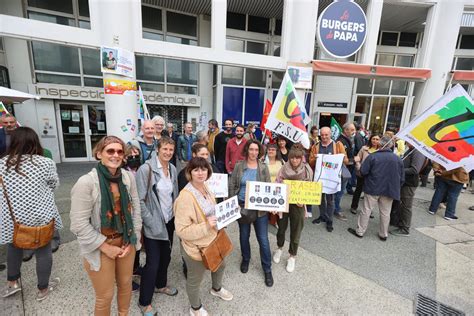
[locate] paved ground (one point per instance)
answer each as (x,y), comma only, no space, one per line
(336,273)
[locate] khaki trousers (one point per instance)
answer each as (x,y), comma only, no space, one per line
(370,202)
(118,271)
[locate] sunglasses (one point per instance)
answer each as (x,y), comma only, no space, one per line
(112,151)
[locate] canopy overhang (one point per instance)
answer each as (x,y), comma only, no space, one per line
(463,76)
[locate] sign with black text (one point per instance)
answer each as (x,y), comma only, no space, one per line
(266,196)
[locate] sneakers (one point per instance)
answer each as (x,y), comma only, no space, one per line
(340,216)
(450,218)
(329,228)
(354,232)
(400,232)
(290,265)
(152,311)
(10,290)
(430,212)
(268,279)
(318,220)
(353,210)
(199,312)
(277,255)
(53,283)
(223,294)
(168,290)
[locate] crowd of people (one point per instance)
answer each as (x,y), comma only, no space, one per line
(142,193)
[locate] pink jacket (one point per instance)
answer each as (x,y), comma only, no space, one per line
(234,153)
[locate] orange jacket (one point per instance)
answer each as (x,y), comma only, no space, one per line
(338,149)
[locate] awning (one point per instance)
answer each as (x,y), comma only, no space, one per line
(334,68)
(463,76)
(9,96)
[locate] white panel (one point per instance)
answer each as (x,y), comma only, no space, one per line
(333,89)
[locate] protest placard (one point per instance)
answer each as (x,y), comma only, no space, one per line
(304,192)
(217,184)
(328,171)
(117,61)
(266,196)
(227,212)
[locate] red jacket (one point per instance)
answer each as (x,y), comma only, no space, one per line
(234,153)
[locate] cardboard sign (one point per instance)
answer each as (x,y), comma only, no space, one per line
(217,184)
(304,192)
(227,212)
(266,196)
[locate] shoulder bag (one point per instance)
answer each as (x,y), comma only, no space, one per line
(27,237)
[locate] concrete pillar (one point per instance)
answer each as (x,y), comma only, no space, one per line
(437,51)
(369,49)
(218,24)
(116,26)
(205,70)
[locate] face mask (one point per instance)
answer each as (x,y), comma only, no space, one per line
(212,129)
(253,130)
(133,162)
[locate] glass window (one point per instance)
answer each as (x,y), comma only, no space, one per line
(151,18)
(4,80)
(48,78)
(399,87)
(152,36)
(84,8)
(53,5)
(51,18)
(53,57)
(256,48)
(364,86)
(276,50)
(181,89)
(151,86)
(179,40)
(180,71)
(407,39)
(93,82)
(465,64)
(236,21)
(150,68)
(363,104)
(467,42)
(277,78)
(181,23)
(234,45)
(84,24)
(91,61)
(1,43)
(389,39)
(278,27)
(255,77)
(386,60)
(232,75)
(382,86)
(378,114)
(404,61)
(214,75)
(259,24)
(395,114)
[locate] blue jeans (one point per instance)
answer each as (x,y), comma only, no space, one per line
(261,230)
(446,187)
(338,196)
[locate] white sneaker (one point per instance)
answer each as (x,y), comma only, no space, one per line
(290,265)
(223,294)
(277,255)
(199,312)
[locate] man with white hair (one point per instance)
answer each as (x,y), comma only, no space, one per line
(146,144)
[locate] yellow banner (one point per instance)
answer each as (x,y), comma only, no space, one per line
(304,192)
(120,86)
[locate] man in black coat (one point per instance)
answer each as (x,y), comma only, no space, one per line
(174,136)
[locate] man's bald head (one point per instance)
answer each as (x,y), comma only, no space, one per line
(325,134)
(148,129)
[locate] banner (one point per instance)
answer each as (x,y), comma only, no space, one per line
(142,108)
(336,129)
(444,133)
(304,192)
(120,86)
(217,184)
(227,212)
(266,196)
(266,113)
(117,61)
(288,116)
(3,110)
(328,171)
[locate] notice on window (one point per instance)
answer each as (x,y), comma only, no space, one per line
(75,116)
(117,61)
(266,196)
(73,130)
(227,212)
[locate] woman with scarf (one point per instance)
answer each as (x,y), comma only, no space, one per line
(105,217)
(294,169)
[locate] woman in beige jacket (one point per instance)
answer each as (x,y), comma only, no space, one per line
(195,223)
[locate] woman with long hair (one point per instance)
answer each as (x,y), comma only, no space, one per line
(371,147)
(28,181)
(105,217)
(196,227)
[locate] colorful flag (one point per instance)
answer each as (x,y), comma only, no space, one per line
(444,132)
(266,113)
(142,109)
(288,116)
(3,109)
(336,130)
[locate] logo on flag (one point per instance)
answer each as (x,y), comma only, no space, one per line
(336,129)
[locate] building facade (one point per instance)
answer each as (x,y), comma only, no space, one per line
(203,59)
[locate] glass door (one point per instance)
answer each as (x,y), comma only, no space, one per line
(97,124)
(73,133)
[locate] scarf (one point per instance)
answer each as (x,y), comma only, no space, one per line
(302,173)
(109,219)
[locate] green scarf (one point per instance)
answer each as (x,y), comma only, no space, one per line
(124,224)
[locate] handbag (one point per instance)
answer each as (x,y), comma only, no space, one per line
(27,237)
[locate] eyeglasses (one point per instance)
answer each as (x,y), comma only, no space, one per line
(111,152)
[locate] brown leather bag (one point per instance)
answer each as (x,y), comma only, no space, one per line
(26,237)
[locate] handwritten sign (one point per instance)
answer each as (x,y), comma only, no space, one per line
(217,184)
(266,196)
(227,212)
(304,192)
